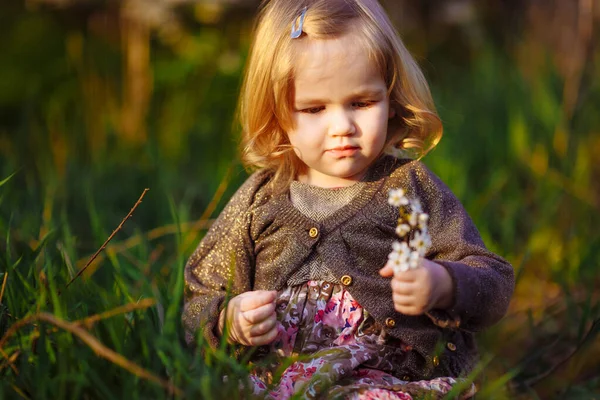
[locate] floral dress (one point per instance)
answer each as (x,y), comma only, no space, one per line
(336,349)
(341,352)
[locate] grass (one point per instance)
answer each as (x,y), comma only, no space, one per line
(73,327)
(110,333)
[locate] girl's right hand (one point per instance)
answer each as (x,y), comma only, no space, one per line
(251,318)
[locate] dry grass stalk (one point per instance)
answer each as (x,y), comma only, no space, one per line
(10,360)
(95,345)
(19,391)
(3,286)
(89,322)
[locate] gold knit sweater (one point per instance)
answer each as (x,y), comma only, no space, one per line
(260,240)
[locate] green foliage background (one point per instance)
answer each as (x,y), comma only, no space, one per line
(96,106)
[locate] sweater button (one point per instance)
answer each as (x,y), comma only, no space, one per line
(346,280)
(390,322)
(436,361)
(451,346)
(313,232)
(406,378)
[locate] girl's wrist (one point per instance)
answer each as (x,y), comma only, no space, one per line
(221,327)
(445,289)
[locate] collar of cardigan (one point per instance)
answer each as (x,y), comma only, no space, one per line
(374,181)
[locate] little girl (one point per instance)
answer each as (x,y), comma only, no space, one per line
(330,92)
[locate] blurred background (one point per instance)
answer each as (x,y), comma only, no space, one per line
(100,99)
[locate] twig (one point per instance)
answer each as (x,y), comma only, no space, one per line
(91,320)
(202,223)
(95,345)
(155,234)
(109,238)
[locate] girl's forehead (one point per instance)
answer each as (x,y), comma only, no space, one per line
(325,57)
(335,68)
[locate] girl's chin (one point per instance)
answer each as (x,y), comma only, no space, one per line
(331,181)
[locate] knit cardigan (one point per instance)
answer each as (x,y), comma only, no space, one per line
(260,239)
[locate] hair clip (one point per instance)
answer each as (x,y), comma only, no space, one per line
(297,31)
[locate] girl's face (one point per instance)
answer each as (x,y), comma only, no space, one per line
(341,112)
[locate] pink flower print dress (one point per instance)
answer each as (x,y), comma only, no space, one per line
(338,352)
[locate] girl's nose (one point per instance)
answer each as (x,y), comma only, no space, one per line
(342,124)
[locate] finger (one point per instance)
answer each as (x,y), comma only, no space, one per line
(402,288)
(386,271)
(409,309)
(264,326)
(267,338)
(259,314)
(257,298)
(403,300)
(407,276)
(409,305)
(417,290)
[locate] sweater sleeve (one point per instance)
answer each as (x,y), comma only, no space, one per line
(222,262)
(483,281)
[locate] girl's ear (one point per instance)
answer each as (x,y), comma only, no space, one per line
(391,113)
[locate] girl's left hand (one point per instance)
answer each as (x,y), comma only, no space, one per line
(419,290)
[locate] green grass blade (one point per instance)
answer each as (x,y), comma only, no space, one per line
(3,181)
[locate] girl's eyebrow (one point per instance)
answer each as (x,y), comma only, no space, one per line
(363,92)
(369,91)
(310,101)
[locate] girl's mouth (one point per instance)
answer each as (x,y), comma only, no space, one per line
(343,151)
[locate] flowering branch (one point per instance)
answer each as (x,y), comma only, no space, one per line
(412,231)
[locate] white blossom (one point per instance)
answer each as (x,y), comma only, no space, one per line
(413,260)
(420,243)
(402,230)
(416,207)
(423,219)
(412,218)
(407,254)
(425,235)
(399,266)
(400,250)
(396,198)
(397,246)
(395,256)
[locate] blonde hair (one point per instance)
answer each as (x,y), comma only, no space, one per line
(267,95)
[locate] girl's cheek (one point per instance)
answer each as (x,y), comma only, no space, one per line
(308,124)
(371,117)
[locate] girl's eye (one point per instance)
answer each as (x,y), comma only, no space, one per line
(312,110)
(362,104)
